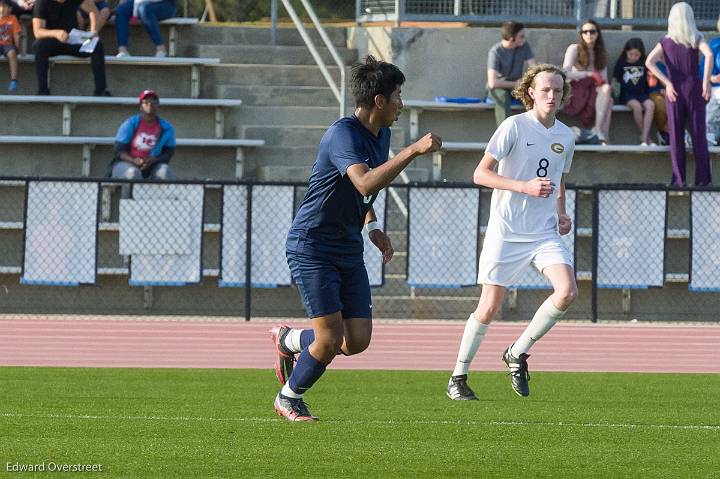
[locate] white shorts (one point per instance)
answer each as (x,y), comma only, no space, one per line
(502,262)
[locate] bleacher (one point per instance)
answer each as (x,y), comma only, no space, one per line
(258,113)
(226,113)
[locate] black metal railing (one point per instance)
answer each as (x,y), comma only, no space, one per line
(645,252)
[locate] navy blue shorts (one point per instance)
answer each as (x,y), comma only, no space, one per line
(331,284)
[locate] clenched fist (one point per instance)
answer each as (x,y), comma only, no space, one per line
(428,143)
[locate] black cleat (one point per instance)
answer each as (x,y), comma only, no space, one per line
(285,358)
(519,374)
(458,390)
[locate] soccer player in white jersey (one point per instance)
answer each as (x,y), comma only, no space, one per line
(531,152)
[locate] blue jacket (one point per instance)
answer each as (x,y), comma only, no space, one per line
(715,47)
(127,130)
(163,150)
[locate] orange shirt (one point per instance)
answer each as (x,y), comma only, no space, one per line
(9,26)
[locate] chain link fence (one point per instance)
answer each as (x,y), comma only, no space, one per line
(645,13)
(81,247)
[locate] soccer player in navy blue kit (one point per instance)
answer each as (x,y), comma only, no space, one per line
(325,245)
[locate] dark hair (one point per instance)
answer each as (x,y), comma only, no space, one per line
(374,77)
(583,58)
(633,44)
(510,29)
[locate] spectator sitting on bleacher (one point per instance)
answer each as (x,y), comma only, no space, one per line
(9,41)
(506,62)
(150,13)
(144,144)
(630,78)
(22,7)
(712,109)
(586,64)
(103,14)
(52,21)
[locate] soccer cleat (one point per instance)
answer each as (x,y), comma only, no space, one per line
(285,358)
(458,390)
(519,374)
(293,409)
(13,86)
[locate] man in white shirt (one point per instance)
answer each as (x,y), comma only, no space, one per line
(532,152)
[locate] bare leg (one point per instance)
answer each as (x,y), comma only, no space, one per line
(12,60)
(603,108)
(358,332)
(564,287)
(491,299)
(329,332)
(648,119)
(636,109)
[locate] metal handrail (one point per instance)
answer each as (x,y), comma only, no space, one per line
(339,93)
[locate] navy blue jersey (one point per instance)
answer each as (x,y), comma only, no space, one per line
(332,214)
(632,78)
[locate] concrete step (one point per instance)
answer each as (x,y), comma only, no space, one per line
(286,35)
(479,125)
(264,74)
(299,135)
(590,167)
(93,120)
(278,95)
(280,55)
(66,160)
(281,115)
(290,172)
(122,80)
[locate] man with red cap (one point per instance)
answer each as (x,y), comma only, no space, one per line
(144,144)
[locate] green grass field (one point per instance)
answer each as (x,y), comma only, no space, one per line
(219,423)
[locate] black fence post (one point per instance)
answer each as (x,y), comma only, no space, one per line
(594,253)
(248,254)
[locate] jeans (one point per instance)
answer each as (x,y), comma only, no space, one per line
(712,116)
(49,47)
(123,169)
(150,13)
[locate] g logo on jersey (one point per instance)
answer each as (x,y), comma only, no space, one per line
(557,148)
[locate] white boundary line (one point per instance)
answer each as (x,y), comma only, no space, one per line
(709,427)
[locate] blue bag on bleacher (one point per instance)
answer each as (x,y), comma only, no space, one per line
(457,99)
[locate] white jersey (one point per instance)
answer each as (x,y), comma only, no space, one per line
(525,149)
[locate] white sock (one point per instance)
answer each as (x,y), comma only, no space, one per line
(472,337)
(287,392)
(292,340)
(544,319)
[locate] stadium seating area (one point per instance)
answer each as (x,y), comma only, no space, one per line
(244,109)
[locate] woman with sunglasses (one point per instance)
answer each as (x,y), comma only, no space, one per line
(586,63)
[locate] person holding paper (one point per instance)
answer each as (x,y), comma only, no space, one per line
(53,20)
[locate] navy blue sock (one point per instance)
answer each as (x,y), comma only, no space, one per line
(307,336)
(307,370)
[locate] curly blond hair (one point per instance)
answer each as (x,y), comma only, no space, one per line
(528,80)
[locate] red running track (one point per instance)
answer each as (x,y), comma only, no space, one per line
(400,345)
